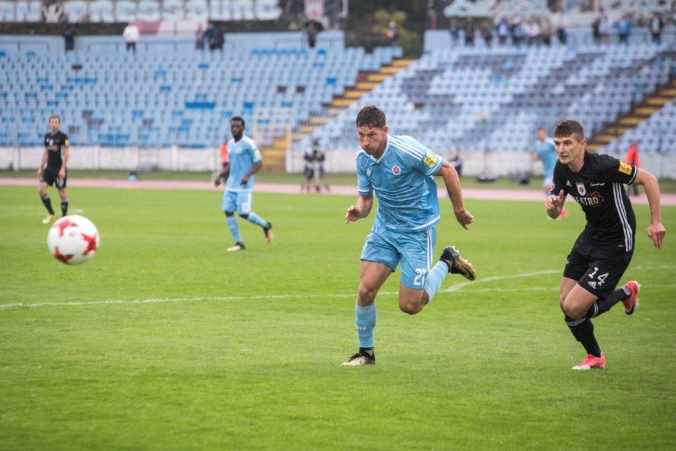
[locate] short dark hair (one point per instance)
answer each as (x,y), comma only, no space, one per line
(569,128)
(371,116)
(239,118)
(56,116)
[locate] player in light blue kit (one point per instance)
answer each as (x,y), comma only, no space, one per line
(244,161)
(400,171)
(546,152)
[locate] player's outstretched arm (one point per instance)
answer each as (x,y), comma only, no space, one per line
(656,230)
(452,182)
(554,204)
(360,209)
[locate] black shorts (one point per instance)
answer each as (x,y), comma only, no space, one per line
(51,178)
(597,269)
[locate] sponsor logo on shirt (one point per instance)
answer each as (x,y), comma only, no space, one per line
(431,159)
(396,170)
(594,199)
(625,168)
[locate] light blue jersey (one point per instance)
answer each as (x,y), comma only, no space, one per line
(402,179)
(243,155)
(546,151)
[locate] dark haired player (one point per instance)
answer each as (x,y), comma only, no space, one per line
(244,161)
(54,173)
(604,249)
(399,171)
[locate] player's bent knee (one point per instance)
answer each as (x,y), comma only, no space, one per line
(229,214)
(366,294)
(410,307)
(244,215)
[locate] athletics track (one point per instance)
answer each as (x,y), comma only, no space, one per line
(668,199)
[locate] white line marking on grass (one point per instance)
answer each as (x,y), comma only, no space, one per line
(450,289)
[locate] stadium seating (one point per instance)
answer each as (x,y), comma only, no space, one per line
(483,99)
(161,99)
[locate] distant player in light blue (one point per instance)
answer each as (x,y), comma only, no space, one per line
(400,171)
(244,160)
(546,152)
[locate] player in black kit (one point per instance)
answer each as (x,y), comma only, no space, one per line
(604,249)
(55,157)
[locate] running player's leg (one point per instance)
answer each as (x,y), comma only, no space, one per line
(244,203)
(602,278)
(64,197)
(229,206)
(418,283)
(44,197)
(378,260)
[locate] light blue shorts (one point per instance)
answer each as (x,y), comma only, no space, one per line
(239,201)
(414,250)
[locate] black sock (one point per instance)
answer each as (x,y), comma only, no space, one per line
(48,204)
(605,304)
(583,331)
(368,351)
(64,207)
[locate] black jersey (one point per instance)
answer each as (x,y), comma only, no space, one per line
(54,143)
(599,191)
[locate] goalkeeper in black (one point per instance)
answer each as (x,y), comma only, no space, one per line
(604,249)
(52,170)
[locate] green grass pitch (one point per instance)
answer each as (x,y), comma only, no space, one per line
(164,341)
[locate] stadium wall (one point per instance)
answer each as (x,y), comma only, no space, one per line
(498,164)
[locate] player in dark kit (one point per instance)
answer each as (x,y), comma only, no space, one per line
(55,157)
(604,249)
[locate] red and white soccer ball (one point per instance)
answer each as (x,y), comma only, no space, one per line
(73,240)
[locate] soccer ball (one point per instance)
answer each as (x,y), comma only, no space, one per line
(73,239)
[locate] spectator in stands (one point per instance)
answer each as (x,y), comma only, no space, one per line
(52,169)
(131,35)
(562,34)
(532,31)
(199,38)
(454,32)
(69,38)
(655,26)
(624,28)
(604,28)
(392,33)
(213,37)
(244,161)
(596,29)
(502,30)
(518,32)
(634,158)
(469,32)
(546,30)
(486,32)
(312,29)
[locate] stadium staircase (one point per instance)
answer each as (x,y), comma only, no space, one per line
(275,154)
(650,105)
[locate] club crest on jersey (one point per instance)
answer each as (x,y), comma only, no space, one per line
(396,170)
(581,190)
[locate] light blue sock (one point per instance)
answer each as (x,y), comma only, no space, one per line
(234,228)
(365,322)
(434,279)
(253,217)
